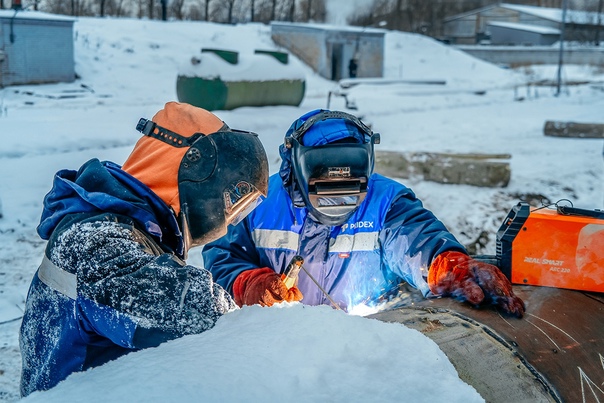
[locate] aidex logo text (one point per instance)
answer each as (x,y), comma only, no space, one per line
(360,224)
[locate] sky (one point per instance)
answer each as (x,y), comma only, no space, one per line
(128,70)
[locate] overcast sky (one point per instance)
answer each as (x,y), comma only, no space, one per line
(339,10)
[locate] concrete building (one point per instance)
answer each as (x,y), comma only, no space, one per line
(35,48)
(473,27)
(334,52)
(509,33)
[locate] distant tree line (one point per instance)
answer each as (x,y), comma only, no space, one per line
(221,11)
(420,16)
(426,16)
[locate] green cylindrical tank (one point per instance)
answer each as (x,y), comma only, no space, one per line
(205,93)
(214,94)
(222,80)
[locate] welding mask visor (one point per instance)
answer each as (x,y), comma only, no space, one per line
(333,177)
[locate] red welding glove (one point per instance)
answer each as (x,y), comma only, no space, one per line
(264,287)
(458,275)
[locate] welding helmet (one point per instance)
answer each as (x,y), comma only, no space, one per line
(220,176)
(332,158)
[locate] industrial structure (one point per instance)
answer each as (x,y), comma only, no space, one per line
(35,48)
(334,52)
(522,25)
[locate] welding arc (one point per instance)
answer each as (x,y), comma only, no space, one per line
(321,288)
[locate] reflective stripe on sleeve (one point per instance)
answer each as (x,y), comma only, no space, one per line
(275,239)
(361,241)
(57,278)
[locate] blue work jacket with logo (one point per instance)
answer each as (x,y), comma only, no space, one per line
(390,238)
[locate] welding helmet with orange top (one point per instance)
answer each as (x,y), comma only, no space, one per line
(210,175)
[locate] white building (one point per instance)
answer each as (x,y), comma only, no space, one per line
(330,49)
(473,26)
(35,48)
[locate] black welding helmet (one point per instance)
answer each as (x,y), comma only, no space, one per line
(220,181)
(332,159)
(220,177)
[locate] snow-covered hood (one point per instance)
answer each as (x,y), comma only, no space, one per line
(105,187)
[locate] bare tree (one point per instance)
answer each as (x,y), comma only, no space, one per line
(119,8)
(398,10)
(113,8)
(599,24)
(151,8)
(79,8)
(230,4)
(260,10)
(177,9)
(319,10)
(224,11)
(195,11)
(292,10)
(311,10)
(423,16)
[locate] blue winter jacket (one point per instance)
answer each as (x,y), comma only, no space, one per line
(389,239)
(112,280)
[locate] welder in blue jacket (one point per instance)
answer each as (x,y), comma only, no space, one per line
(113,278)
(360,234)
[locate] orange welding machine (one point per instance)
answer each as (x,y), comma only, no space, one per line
(562,247)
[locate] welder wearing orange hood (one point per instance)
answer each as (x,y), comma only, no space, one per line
(113,278)
(360,234)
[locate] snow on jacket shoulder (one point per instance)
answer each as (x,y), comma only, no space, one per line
(390,238)
(107,286)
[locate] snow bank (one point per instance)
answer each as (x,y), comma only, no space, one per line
(289,353)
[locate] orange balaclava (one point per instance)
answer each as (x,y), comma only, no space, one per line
(156,163)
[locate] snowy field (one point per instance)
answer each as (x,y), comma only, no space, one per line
(127,69)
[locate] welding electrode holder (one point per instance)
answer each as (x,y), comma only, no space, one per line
(290,274)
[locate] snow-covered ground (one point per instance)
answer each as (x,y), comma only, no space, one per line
(128,69)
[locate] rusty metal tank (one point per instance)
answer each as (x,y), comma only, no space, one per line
(554,354)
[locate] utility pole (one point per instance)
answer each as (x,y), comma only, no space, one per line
(561,56)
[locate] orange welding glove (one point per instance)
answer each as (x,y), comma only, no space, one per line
(264,287)
(458,275)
